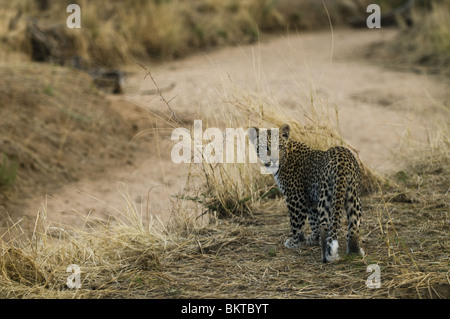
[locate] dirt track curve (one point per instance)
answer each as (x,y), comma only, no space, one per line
(377,109)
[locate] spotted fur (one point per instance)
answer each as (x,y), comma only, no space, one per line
(318,186)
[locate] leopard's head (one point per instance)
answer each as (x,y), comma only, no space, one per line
(270,145)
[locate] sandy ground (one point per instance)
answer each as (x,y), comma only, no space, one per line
(378,108)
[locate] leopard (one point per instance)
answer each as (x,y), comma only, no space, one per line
(317,186)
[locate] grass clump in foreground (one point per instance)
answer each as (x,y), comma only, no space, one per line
(208,257)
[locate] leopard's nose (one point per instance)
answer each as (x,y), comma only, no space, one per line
(267,164)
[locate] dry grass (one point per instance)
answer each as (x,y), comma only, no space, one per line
(168,29)
(158,29)
(110,254)
(425,46)
(405,232)
(233,258)
(51,138)
(428,42)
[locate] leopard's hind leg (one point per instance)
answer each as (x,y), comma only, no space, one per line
(331,204)
(353,209)
(313,218)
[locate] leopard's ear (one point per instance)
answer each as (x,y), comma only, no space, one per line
(284,131)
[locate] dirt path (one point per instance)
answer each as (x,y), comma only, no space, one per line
(377,109)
